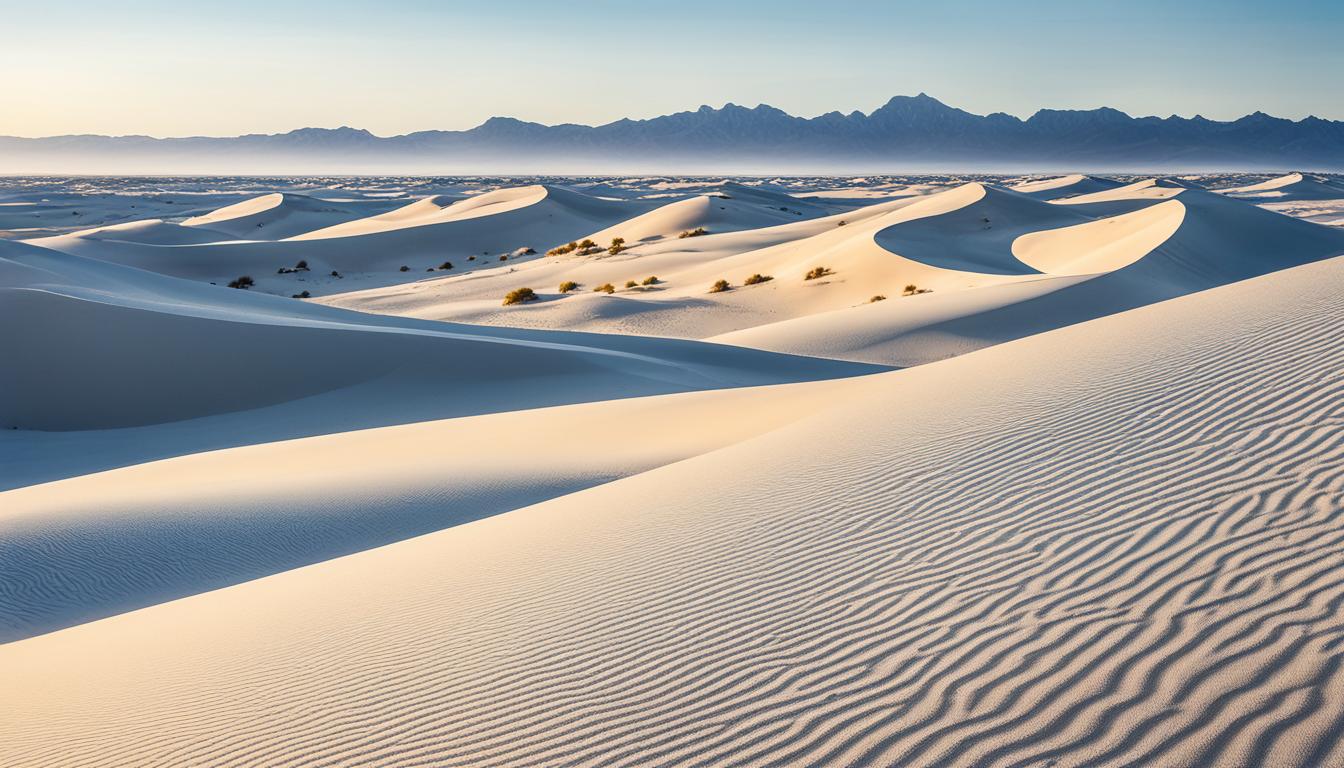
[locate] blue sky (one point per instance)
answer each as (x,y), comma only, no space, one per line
(196,68)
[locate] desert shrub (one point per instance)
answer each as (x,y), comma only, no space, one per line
(841,223)
(617,245)
(503,257)
(878,297)
(910,289)
(698,231)
(568,286)
(817,272)
(561,250)
(719,286)
(302,295)
(446,265)
(757,279)
(519,295)
(471,258)
(283,271)
(650,280)
(605,288)
(244,281)
(334,273)
(405,268)
(301,265)
(631,284)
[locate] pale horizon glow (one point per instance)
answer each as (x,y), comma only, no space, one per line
(176,69)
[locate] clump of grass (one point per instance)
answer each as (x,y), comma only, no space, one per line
(617,245)
(841,223)
(650,280)
(817,272)
(519,295)
(878,297)
(757,279)
(697,232)
(561,250)
(587,247)
(568,285)
(605,288)
(719,286)
(912,289)
(244,282)
(631,284)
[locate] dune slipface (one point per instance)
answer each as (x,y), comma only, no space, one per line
(945,471)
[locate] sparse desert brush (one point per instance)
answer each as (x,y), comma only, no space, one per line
(650,280)
(878,297)
(301,265)
(631,284)
(617,245)
(758,278)
(334,273)
(519,295)
(301,295)
(471,258)
(912,289)
(605,288)
(586,243)
(719,286)
(568,286)
(446,265)
(841,223)
(503,257)
(244,281)
(817,272)
(698,231)
(404,268)
(561,250)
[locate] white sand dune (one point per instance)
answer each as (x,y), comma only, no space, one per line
(1112,544)
(1062,187)
(279,215)
(123,349)
(1183,243)
(731,208)
(1292,187)
(372,252)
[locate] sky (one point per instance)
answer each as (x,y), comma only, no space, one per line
(188,68)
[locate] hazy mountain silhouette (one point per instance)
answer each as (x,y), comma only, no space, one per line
(908,133)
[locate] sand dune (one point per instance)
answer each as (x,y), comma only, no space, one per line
(279,215)
(1110,544)
(1292,187)
(471,234)
(1062,187)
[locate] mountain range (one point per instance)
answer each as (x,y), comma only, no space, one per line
(907,134)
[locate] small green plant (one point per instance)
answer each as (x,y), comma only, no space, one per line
(697,232)
(519,295)
(817,272)
(878,297)
(719,286)
(605,288)
(650,280)
(568,285)
(757,279)
(244,282)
